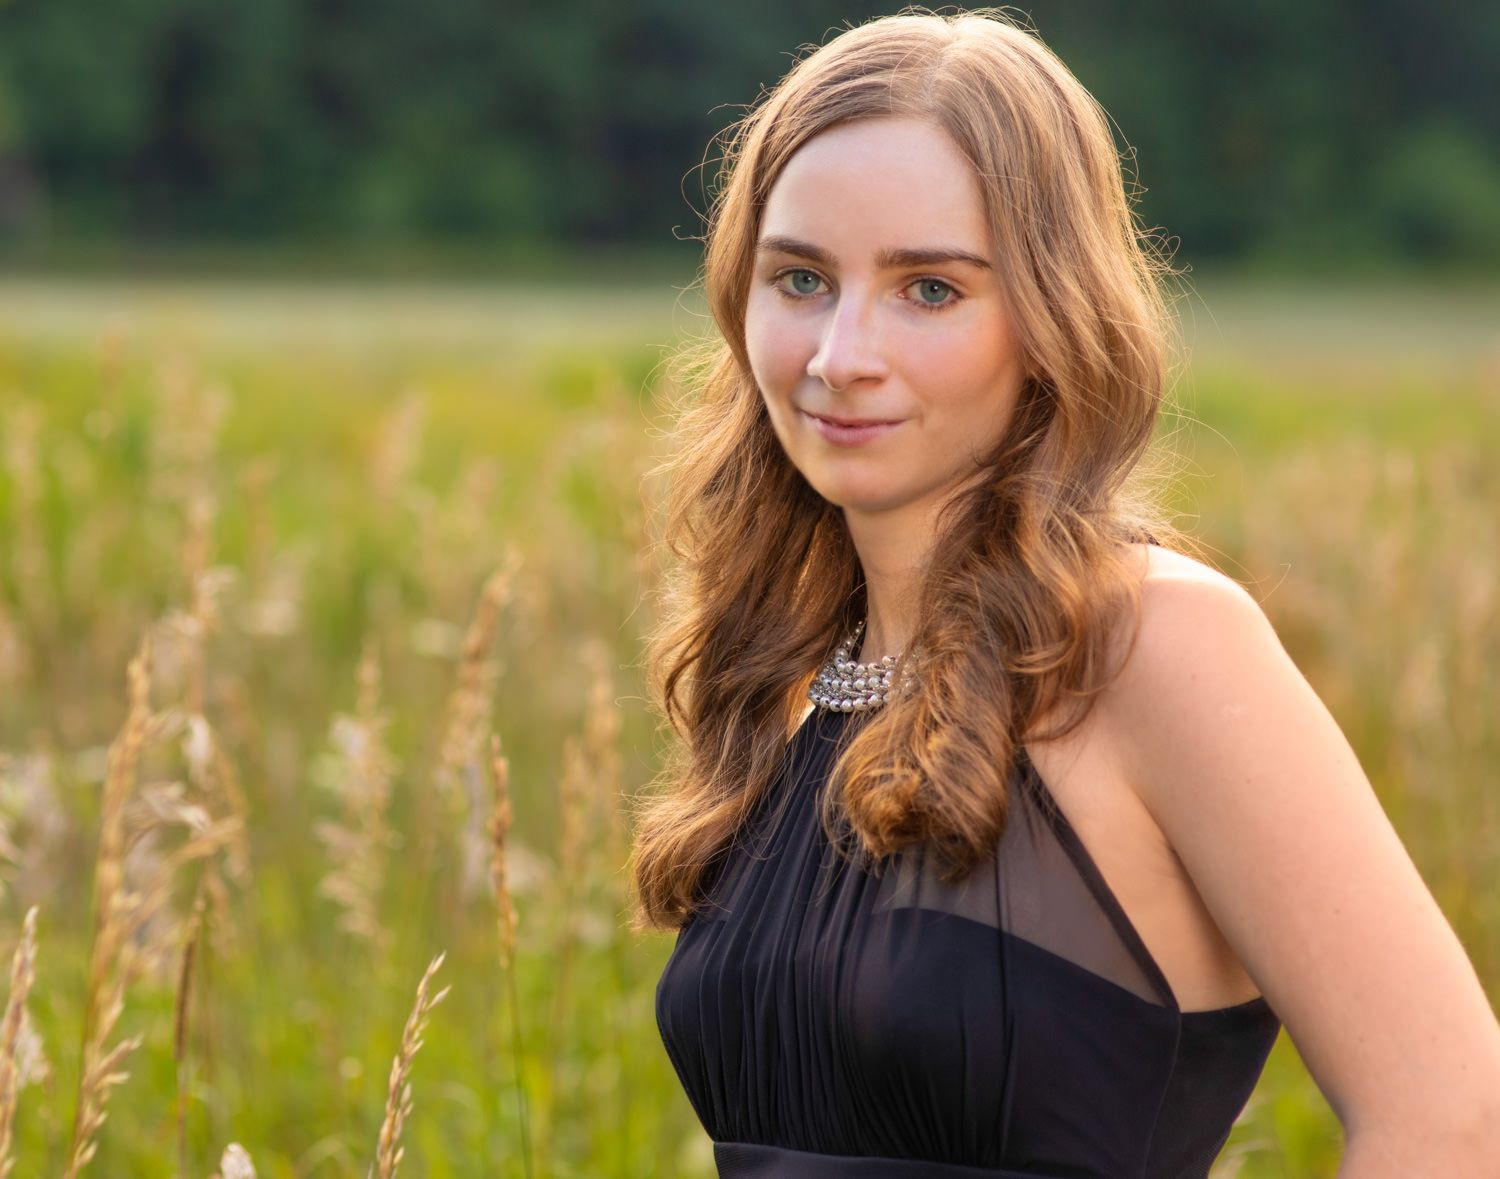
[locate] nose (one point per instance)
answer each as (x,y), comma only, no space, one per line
(849,348)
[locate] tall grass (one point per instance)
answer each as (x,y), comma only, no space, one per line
(335,584)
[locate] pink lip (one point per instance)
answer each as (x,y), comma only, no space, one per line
(842,432)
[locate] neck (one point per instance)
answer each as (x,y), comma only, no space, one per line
(892,553)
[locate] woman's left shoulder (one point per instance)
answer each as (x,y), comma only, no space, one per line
(1203,670)
(1168,572)
(1190,614)
(1203,679)
(1264,802)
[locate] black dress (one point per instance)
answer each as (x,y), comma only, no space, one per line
(829,1021)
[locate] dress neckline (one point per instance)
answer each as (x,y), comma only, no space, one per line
(1088,868)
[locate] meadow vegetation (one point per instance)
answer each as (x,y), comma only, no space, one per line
(320,703)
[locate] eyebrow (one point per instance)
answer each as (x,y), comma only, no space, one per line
(886,259)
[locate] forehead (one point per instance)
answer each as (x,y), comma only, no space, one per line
(879,183)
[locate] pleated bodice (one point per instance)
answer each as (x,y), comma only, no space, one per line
(827,1020)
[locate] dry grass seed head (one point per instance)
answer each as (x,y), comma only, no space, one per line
(12,1028)
(235,1163)
(474,685)
(500,820)
(398,1104)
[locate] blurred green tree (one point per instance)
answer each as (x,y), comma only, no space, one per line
(1332,130)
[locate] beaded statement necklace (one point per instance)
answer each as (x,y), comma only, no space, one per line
(846,686)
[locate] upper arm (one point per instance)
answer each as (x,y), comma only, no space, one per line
(1265,803)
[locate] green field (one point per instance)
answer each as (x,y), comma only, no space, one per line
(269,479)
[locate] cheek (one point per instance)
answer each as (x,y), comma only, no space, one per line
(756,341)
(777,358)
(964,350)
(970,378)
(977,355)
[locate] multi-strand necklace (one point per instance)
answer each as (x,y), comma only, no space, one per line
(846,686)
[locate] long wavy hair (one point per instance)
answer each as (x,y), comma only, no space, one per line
(1021,602)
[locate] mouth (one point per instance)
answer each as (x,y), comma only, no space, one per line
(852,423)
(849,431)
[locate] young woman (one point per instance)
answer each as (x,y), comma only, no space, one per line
(1001,836)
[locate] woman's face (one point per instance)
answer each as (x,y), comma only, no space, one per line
(876,324)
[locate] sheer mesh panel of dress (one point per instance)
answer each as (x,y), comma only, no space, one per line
(1045,894)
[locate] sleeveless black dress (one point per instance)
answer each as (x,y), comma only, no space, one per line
(827,1021)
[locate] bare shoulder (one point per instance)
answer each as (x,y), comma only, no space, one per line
(1191,617)
(1172,581)
(1203,663)
(1266,806)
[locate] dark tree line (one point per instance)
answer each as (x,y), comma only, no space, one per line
(1326,129)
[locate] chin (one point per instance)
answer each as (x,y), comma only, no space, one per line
(857,499)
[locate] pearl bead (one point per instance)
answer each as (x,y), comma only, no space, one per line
(845,685)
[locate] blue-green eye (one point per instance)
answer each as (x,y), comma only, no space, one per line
(932,292)
(802,282)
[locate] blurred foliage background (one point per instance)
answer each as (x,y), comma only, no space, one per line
(1333,133)
(330,340)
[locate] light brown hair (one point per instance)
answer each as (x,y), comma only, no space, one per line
(1021,600)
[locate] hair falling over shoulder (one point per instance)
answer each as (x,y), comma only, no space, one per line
(1020,605)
